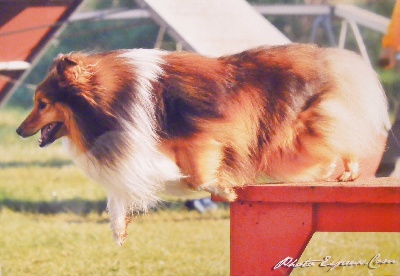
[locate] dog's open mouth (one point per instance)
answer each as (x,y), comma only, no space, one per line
(48,133)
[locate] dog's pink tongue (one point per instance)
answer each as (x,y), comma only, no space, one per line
(44,137)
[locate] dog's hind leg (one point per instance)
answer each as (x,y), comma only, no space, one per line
(351,170)
(201,161)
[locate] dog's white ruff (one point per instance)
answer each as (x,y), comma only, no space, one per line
(135,181)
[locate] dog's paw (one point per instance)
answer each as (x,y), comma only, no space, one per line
(121,233)
(351,172)
(119,236)
(227,193)
(348,176)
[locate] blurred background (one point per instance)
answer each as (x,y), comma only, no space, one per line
(52,218)
(105,25)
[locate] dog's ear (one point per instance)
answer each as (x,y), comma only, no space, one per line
(74,69)
(63,63)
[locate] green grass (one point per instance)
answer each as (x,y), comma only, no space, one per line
(164,243)
(351,247)
(52,221)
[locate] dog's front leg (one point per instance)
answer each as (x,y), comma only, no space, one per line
(201,162)
(119,219)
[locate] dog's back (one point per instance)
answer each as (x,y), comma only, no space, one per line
(293,112)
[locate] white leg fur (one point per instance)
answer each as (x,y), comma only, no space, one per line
(118,213)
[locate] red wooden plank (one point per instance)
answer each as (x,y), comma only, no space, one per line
(272,222)
(25,28)
(17,44)
(357,217)
(379,190)
(263,234)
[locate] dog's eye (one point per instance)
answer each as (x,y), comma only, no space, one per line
(42,105)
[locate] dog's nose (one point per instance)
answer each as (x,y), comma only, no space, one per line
(19,131)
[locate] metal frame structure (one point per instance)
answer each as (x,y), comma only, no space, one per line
(350,15)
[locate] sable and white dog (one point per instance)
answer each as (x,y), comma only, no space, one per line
(144,121)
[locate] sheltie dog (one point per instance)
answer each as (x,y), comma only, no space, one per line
(145,121)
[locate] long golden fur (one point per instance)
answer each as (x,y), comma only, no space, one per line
(145,121)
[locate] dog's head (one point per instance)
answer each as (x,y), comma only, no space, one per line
(51,113)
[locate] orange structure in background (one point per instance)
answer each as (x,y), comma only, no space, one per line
(25,29)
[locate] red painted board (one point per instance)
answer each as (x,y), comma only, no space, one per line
(377,190)
(263,234)
(357,217)
(271,222)
(23,32)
